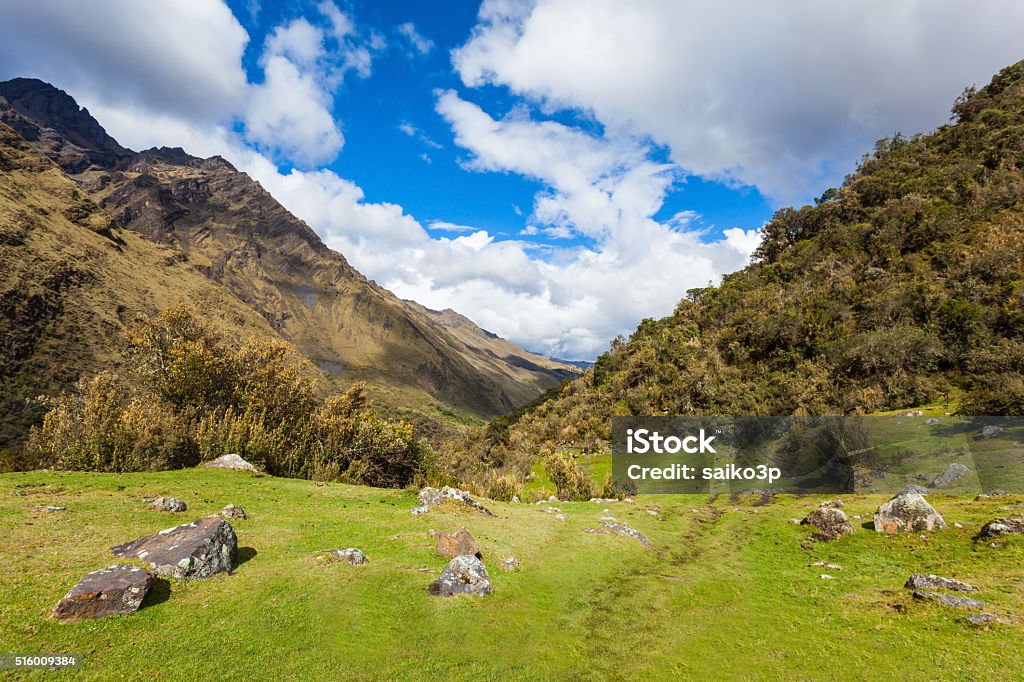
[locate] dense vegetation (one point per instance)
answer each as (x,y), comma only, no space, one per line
(202,397)
(902,287)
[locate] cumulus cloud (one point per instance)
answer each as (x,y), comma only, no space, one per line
(781,96)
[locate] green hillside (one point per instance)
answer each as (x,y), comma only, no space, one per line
(728,591)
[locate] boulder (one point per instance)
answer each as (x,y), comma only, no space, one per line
(351,556)
(199,549)
(456,545)
(928,581)
(991,431)
(1006,525)
(954,472)
(230,461)
(623,529)
(946,600)
(907,513)
(233,511)
(987,619)
(169,504)
(831,522)
(509,564)
(117,590)
(465,574)
(835,504)
(429,497)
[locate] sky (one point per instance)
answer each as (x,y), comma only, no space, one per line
(556,170)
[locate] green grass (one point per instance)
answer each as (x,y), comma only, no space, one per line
(728,593)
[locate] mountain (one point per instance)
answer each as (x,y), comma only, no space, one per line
(211,220)
(902,287)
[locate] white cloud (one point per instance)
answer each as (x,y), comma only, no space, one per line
(782,96)
(416,41)
(450,227)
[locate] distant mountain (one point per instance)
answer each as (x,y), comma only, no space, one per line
(902,287)
(212,220)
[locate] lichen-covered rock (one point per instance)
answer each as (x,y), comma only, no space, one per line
(1005,525)
(831,523)
(430,497)
(509,564)
(230,461)
(991,431)
(416,511)
(465,574)
(907,513)
(233,511)
(117,590)
(623,529)
(169,504)
(946,600)
(929,581)
(455,545)
(954,472)
(835,504)
(987,619)
(199,549)
(351,556)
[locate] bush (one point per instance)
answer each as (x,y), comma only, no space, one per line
(503,488)
(570,479)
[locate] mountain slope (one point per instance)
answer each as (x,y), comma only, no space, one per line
(904,286)
(224,224)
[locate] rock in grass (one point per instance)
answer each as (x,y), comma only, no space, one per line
(991,431)
(834,504)
(623,529)
(233,511)
(429,497)
(928,581)
(416,511)
(351,556)
(831,522)
(509,564)
(987,619)
(169,504)
(456,545)
(954,472)
(946,600)
(117,590)
(913,489)
(465,574)
(907,513)
(230,461)
(1007,525)
(199,549)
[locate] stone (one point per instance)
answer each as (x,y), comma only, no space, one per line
(907,513)
(985,496)
(913,490)
(831,522)
(351,556)
(49,508)
(946,600)
(230,461)
(1004,525)
(169,504)
(456,545)
(515,499)
(991,431)
(931,421)
(954,472)
(826,576)
(561,517)
(509,564)
(794,522)
(429,497)
(117,590)
(915,413)
(987,619)
(194,550)
(825,564)
(929,581)
(624,529)
(233,511)
(416,511)
(834,504)
(957,524)
(465,574)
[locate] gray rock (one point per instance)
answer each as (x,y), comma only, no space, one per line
(169,504)
(913,489)
(991,431)
(946,600)
(117,590)
(416,511)
(825,564)
(987,619)
(931,421)
(429,497)
(831,522)
(230,461)
(350,556)
(199,549)
(907,513)
(834,504)
(624,529)
(1004,525)
(954,472)
(929,581)
(233,511)
(509,564)
(985,496)
(465,574)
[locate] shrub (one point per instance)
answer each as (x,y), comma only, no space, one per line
(503,488)
(570,479)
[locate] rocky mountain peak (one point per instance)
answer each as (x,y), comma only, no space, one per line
(50,107)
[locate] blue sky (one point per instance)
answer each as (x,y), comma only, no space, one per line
(556,170)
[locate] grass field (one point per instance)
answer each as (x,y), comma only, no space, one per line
(727,593)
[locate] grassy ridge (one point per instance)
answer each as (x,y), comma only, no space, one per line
(729,592)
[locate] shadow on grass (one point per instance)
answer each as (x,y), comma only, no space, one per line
(869,525)
(158,593)
(245,554)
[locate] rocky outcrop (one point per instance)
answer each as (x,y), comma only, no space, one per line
(351,556)
(954,472)
(629,532)
(929,581)
(430,497)
(456,545)
(946,600)
(199,549)
(230,461)
(831,523)
(465,574)
(232,511)
(1006,525)
(907,513)
(117,590)
(991,431)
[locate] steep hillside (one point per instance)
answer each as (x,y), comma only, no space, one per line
(223,224)
(902,287)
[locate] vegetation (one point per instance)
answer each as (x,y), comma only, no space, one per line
(202,397)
